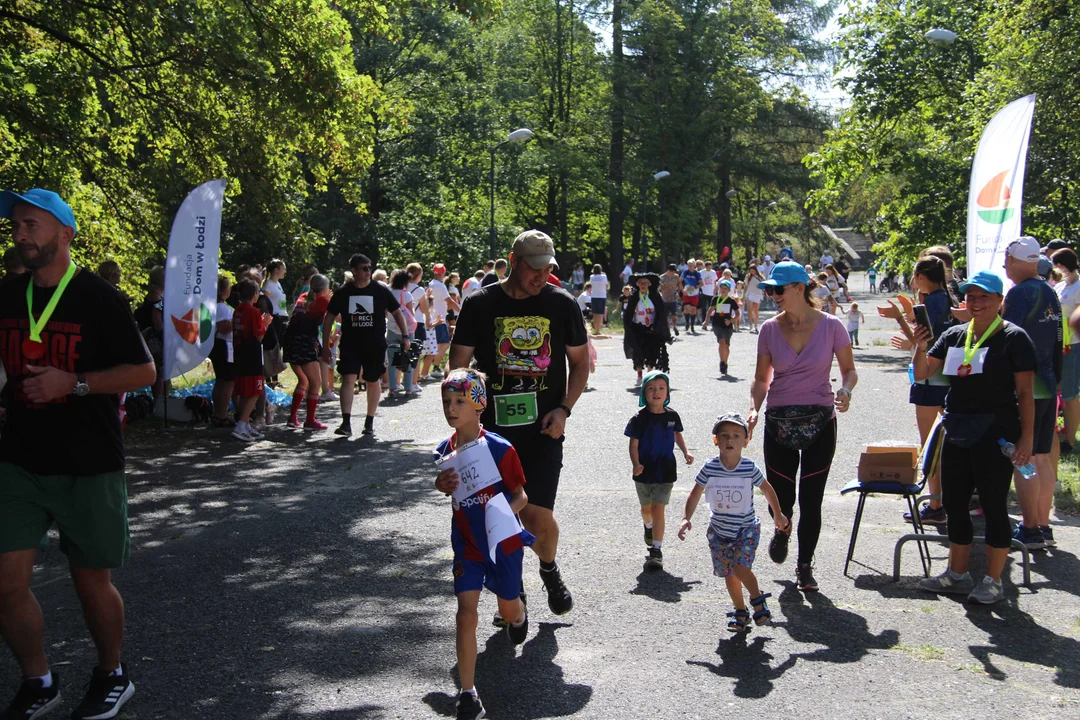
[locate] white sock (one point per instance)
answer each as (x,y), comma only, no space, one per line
(648,525)
(471,691)
(118,671)
(46,679)
(657,543)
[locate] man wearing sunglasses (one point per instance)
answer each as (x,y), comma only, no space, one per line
(362,305)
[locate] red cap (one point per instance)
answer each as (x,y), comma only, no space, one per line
(439,269)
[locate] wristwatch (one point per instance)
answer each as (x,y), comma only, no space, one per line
(81,388)
(565,409)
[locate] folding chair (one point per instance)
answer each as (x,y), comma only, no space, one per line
(930,459)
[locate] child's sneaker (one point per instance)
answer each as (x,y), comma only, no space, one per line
(778,546)
(518,633)
(34,701)
(241,433)
(293,422)
(655,561)
(648,537)
(315,425)
(929,515)
(344,429)
(469,707)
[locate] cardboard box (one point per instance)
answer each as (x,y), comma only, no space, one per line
(890,462)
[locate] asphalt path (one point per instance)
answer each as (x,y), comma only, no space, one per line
(309,576)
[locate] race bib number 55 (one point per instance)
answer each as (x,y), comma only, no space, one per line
(515,409)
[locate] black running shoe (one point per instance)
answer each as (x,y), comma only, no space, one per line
(655,561)
(344,429)
(560,601)
(469,707)
(648,537)
(105,695)
(518,633)
(778,547)
(33,700)
(805,573)
(723,368)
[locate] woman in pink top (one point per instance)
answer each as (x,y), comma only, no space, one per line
(795,356)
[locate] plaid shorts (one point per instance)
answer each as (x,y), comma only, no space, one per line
(729,552)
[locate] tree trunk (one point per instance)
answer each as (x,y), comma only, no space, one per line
(615,165)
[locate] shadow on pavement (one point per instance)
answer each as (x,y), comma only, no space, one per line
(525,688)
(1016,635)
(748,664)
(265,572)
(885,362)
(814,619)
(662,586)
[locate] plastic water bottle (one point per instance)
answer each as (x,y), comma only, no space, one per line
(1007,449)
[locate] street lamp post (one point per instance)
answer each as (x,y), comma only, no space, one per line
(521,135)
(943,38)
(644,204)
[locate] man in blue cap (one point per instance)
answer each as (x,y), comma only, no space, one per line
(70,347)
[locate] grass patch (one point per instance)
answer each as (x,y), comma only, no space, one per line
(1067,497)
(926,653)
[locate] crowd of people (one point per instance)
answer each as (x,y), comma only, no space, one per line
(510,347)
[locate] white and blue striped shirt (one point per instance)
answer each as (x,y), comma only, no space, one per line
(730,494)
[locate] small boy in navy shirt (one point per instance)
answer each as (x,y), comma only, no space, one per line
(653,434)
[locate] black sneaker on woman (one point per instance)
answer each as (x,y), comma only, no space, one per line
(805,574)
(34,701)
(469,707)
(106,693)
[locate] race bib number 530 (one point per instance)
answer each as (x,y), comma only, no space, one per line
(516,409)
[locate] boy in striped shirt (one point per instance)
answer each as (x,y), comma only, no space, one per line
(727,482)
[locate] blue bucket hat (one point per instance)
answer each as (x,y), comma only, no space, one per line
(786,273)
(47,200)
(649,377)
(985,279)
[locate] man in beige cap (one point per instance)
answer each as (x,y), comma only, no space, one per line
(522,333)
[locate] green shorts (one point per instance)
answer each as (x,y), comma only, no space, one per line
(91,512)
(650,493)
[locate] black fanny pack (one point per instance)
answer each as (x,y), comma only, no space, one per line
(966,429)
(796,427)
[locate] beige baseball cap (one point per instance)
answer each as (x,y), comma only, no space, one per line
(535,248)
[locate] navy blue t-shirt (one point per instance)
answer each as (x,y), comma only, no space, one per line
(655,433)
(1034,306)
(692,278)
(939,310)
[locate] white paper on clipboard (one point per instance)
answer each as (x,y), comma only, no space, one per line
(500,521)
(475,467)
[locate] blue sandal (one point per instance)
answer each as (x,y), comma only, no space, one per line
(739,622)
(762,615)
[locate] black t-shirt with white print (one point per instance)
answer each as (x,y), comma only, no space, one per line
(363,315)
(90,330)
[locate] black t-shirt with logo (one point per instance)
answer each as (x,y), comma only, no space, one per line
(91,329)
(363,315)
(724,310)
(521,346)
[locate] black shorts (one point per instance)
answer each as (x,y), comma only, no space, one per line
(300,349)
(541,459)
(723,334)
(369,363)
(1045,426)
(928,395)
(219,358)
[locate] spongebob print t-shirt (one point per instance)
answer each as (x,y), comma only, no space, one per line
(521,346)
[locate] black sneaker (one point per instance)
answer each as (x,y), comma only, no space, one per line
(778,547)
(723,368)
(469,707)
(33,700)
(518,633)
(344,429)
(560,601)
(805,573)
(105,695)
(655,561)
(648,537)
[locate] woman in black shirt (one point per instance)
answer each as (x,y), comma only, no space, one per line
(990,364)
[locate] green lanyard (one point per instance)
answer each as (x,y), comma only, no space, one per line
(969,351)
(646,305)
(37,327)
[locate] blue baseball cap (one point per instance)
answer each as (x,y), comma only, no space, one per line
(727,283)
(985,279)
(786,273)
(47,200)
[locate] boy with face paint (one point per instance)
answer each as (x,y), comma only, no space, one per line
(654,432)
(724,313)
(475,566)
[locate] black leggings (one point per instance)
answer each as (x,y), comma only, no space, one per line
(984,469)
(781,464)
